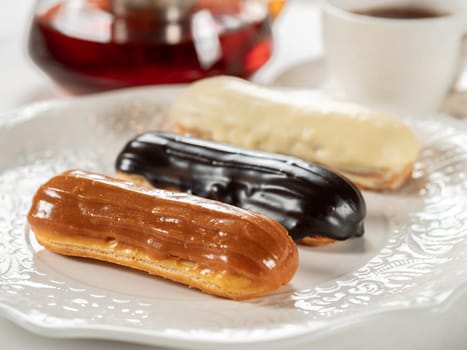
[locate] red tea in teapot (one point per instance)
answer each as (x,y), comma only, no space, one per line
(93,45)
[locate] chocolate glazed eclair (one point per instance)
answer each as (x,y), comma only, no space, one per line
(314,204)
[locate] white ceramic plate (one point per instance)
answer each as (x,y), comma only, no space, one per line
(413,257)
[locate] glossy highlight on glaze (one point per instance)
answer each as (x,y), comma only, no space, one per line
(162,224)
(308,200)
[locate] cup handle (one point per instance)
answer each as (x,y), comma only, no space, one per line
(455,103)
(464,50)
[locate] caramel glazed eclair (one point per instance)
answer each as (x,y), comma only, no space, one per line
(371,148)
(208,245)
(314,204)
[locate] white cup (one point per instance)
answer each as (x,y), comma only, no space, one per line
(411,63)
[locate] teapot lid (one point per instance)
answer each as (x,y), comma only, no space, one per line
(167,10)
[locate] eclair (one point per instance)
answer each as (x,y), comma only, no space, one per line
(314,204)
(373,149)
(214,247)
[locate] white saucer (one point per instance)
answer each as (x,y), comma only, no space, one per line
(314,74)
(307,74)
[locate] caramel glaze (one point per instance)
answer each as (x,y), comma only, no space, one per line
(163,224)
(305,198)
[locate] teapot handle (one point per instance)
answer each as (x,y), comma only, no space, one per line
(275,7)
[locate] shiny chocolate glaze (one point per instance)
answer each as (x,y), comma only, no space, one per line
(305,198)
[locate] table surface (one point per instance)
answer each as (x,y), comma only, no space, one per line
(298,41)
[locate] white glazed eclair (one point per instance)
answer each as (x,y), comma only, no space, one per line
(373,149)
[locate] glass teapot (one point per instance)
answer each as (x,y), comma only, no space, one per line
(95,45)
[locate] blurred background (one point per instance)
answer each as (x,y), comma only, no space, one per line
(296,33)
